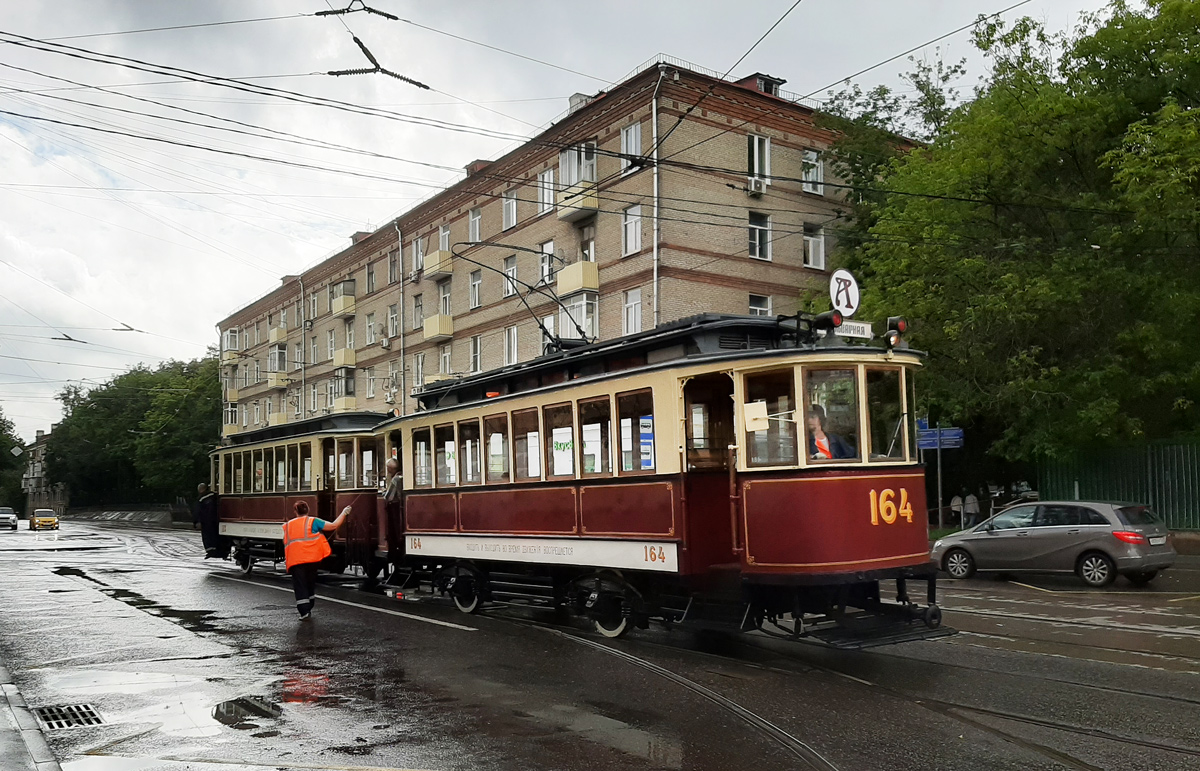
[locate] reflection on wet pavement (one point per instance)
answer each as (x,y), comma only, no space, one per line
(237,713)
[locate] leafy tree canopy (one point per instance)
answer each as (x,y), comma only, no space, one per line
(11,466)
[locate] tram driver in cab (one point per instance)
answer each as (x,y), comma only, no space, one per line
(823,445)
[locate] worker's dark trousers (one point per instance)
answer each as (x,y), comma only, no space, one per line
(304,582)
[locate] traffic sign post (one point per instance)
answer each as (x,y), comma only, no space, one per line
(949,438)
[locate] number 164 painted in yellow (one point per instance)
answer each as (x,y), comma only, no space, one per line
(883,506)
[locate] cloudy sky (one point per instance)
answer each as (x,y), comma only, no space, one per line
(101,231)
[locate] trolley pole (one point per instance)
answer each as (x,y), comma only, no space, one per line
(941,515)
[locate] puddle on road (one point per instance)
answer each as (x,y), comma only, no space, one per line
(67,570)
(238,713)
(92,682)
(193,620)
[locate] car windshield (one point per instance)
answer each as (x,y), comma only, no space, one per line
(1137,515)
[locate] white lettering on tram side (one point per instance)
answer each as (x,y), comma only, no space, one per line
(643,555)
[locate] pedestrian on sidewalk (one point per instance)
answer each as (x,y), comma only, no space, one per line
(209,517)
(970,510)
(304,546)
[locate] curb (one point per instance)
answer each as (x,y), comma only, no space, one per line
(35,743)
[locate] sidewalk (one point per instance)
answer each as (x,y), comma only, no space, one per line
(22,746)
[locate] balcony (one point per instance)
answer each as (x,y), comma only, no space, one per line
(344,357)
(578,277)
(278,335)
(277,418)
(229,429)
(231,394)
(438,264)
(578,201)
(277,380)
(345,404)
(343,306)
(439,327)
(230,357)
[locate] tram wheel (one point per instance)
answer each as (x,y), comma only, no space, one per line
(932,617)
(609,621)
(466,594)
(245,564)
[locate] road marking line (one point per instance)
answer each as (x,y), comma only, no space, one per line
(1185,599)
(327,598)
(1031,586)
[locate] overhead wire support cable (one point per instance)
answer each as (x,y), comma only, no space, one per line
(377,69)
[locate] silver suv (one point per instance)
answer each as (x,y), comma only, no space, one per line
(1096,541)
(8,518)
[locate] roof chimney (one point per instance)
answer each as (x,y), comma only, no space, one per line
(474,167)
(40,434)
(767,84)
(288,279)
(359,237)
(577,102)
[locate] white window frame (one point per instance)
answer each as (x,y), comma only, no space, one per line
(418,370)
(631,320)
(370,282)
(758,311)
(476,361)
(547,334)
(298,361)
(418,311)
(510,276)
(546,262)
(393,321)
(418,254)
(393,266)
(257,413)
(475,287)
(758,157)
(314,393)
(631,145)
(444,305)
(760,237)
(631,230)
(371,329)
(370,382)
(813,173)
(445,359)
(580,309)
(277,358)
(577,164)
(444,238)
(546,191)
(510,345)
(587,243)
(230,340)
(814,247)
(312,305)
(331,343)
(474,221)
(316,351)
(349,329)
(298,395)
(245,415)
(509,209)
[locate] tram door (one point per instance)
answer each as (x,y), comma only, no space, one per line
(708,418)
(325,498)
(394,510)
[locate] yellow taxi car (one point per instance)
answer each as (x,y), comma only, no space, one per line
(43,519)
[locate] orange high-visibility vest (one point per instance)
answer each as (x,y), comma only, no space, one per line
(301,544)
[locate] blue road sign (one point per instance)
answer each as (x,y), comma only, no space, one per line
(923,424)
(931,438)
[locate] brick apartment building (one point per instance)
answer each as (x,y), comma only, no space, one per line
(673,193)
(40,493)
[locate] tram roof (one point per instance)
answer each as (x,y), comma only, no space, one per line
(335,423)
(695,338)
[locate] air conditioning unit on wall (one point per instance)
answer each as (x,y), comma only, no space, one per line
(756,186)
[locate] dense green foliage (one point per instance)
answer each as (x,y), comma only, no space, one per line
(11,466)
(1044,240)
(142,437)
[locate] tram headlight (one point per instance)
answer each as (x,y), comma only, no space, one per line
(896,327)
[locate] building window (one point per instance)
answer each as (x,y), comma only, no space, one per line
(298,396)
(631,230)
(476,352)
(632,321)
(546,191)
(760,305)
(587,243)
(370,279)
(312,397)
(444,238)
(578,314)
(418,370)
(299,358)
(231,413)
(510,345)
(547,262)
(350,333)
(270,408)
(418,312)
(393,266)
(418,254)
(315,352)
(331,344)
(245,415)
(631,148)
(814,247)
(371,329)
(476,287)
(257,413)
(256,333)
(312,305)
(343,382)
(813,173)
(758,157)
(393,381)
(578,164)
(509,210)
(473,218)
(444,297)
(277,358)
(230,342)
(444,359)
(760,236)
(393,322)
(547,334)
(510,276)
(370,382)
(257,372)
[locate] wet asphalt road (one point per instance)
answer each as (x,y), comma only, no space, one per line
(192,667)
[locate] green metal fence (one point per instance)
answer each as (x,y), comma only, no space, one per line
(1165,475)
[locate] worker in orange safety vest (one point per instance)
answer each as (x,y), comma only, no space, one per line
(304,546)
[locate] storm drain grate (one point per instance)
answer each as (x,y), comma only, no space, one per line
(69,716)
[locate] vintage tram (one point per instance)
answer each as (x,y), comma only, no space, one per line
(747,471)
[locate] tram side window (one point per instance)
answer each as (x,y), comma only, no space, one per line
(368,462)
(470,462)
(258,471)
(527,444)
(495,437)
(293,468)
(246,484)
(227,477)
(446,463)
(560,441)
(776,444)
(281,476)
(345,464)
(269,470)
(306,467)
(635,411)
(886,414)
(831,421)
(421,458)
(595,434)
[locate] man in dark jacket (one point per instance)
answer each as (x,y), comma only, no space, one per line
(209,518)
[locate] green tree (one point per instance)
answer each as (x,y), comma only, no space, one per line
(11,466)
(179,429)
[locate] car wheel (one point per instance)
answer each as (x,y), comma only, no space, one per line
(1096,569)
(958,563)
(1142,577)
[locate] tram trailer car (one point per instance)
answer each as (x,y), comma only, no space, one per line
(746,471)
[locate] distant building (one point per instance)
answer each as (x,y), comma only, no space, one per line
(41,494)
(732,212)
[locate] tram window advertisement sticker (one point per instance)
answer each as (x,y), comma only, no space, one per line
(563,444)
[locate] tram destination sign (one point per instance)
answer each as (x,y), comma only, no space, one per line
(859,329)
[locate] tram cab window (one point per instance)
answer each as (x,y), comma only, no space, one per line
(708,403)
(446,464)
(595,435)
(527,444)
(831,415)
(776,444)
(258,471)
(885,412)
(246,484)
(293,468)
(369,453)
(227,477)
(269,470)
(560,441)
(306,467)
(469,456)
(635,413)
(281,469)
(495,438)
(422,462)
(345,464)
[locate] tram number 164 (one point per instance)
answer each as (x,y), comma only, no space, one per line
(654,554)
(883,506)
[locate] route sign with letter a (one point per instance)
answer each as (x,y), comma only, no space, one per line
(843,292)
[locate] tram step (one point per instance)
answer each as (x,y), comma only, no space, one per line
(506,594)
(849,638)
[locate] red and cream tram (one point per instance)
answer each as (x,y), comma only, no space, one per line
(740,470)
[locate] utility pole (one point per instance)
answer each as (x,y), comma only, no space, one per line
(941,514)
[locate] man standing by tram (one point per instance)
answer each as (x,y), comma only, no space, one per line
(304,546)
(208,517)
